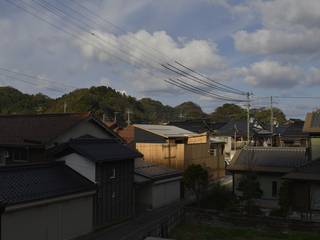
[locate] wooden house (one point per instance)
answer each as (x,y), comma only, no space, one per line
(110,164)
(175,147)
(26,138)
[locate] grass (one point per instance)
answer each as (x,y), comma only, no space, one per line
(207,232)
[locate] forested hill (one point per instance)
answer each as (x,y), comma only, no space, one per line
(105,100)
(98,100)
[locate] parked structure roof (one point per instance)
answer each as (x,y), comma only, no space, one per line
(35,129)
(98,150)
(268,159)
(312,123)
(146,171)
(308,172)
(165,130)
(22,184)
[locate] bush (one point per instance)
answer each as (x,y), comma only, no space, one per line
(219,198)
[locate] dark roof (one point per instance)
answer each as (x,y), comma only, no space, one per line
(197,125)
(36,129)
(312,123)
(146,171)
(21,184)
(310,171)
(268,159)
(294,130)
(240,127)
(98,150)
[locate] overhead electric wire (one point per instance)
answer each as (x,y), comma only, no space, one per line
(194,78)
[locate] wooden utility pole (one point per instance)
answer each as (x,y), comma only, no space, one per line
(129,112)
(65,107)
(271,120)
(248,119)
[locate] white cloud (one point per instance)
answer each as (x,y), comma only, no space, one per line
(289,27)
(271,74)
(148,49)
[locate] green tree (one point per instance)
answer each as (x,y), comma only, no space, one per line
(228,112)
(263,115)
(250,188)
(195,178)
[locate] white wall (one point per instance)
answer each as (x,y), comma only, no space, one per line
(81,129)
(82,165)
(265,185)
(165,193)
(57,221)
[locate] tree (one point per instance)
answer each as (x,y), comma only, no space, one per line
(195,178)
(285,201)
(228,112)
(250,188)
(263,115)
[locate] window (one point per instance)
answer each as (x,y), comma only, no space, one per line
(113,174)
(274,189)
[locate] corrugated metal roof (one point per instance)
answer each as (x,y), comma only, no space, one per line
(165,130)
(268,159)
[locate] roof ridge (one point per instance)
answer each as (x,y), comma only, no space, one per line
(45,114)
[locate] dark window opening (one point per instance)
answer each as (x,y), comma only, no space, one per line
(274,189)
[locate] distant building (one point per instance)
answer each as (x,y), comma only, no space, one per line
(110,165)
(304,186)
(45,201)
(156,185)
(312,127)
(292,134)
(270,164)
(175,147)
(26,138)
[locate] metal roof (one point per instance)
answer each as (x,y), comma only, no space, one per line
(165,130)
(268,159)
(154,171)
(98,150)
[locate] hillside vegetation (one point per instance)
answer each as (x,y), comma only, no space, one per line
(105,100)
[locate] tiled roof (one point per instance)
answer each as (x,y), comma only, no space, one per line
(21,184)
(165,130)
(268,159)
(197,125)
(99,150)
(310,171)
(36,128)
(154,171)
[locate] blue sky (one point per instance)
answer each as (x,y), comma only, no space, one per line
(265,47)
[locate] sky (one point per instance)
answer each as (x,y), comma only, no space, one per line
(268,48)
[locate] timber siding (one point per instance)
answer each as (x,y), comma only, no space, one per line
(114,199)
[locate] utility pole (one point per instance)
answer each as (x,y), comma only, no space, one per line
(129,112)
(271,119)
(65,107)
(248,119)
(115,116)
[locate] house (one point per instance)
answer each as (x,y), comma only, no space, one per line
(304,187)
(175,147)
(110,164)
(198,125)
(156,185)
(293,135)
(45,201)
(26,138)
(234,134)
(270,164)
(312,127)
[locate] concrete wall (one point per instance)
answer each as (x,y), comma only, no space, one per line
(82,165)
(165,193)
(57,221)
